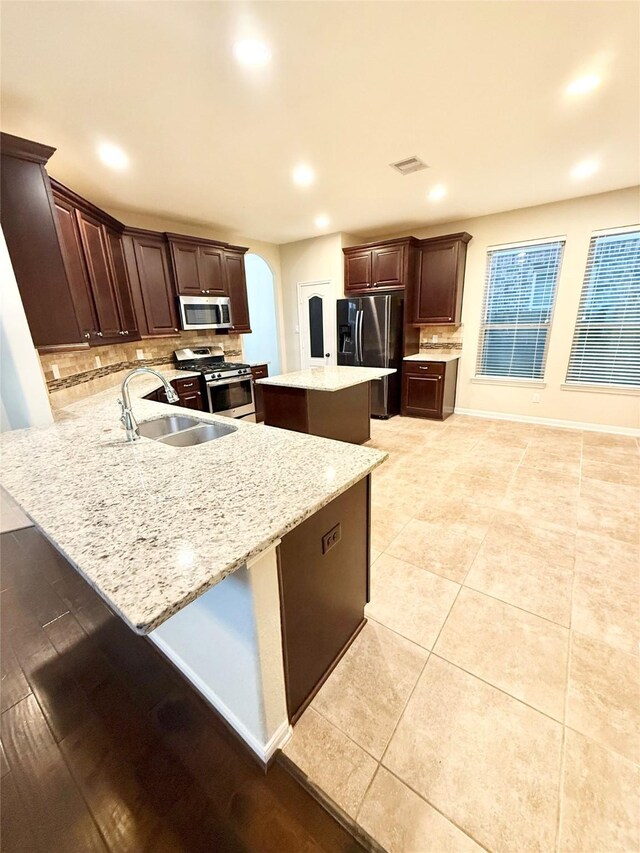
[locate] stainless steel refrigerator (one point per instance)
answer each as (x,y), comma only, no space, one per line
(370,335)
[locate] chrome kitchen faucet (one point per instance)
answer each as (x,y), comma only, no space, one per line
(126,415)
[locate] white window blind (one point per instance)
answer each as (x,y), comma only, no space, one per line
(519,296)
(606,340)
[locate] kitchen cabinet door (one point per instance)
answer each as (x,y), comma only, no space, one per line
(192,400)
(100,276)
(185,265)
(440,281)
(357,273)
(211,268)
(74,263)
(156,285)
(128,322)
(260,371)
(429,389)
(388,267)
(236,288)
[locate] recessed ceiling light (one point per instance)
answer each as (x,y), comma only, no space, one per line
(437,192)
(252,53)
(582,85)
(585,169)
(322,221)
(112,156)
(303,175)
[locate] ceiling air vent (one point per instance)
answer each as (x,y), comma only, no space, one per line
(409,165)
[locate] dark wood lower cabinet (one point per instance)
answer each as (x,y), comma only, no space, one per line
(189,391)
(429,388)
(259,371)
(323,592)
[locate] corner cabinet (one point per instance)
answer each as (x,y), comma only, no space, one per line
(91,243)
(429,388)
(436,298)
(387,265)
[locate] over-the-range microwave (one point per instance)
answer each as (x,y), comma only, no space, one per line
(204,312)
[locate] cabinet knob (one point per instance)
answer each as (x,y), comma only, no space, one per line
(126,332)
(121,332)
(87,334)
(176,330)
(98,334)
(449,318)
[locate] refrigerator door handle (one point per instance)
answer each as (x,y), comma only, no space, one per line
(361,312)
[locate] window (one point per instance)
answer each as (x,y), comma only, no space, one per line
(606,340)
(518,303)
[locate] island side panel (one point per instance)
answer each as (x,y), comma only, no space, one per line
(285,407)
(344,415)
(323,595)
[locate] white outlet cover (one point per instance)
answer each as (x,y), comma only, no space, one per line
(434,339)
(56,371)
(140,354)
(536,398)
(98,362)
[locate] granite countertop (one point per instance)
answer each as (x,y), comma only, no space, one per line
(423,356)
(150,526)
(327,378)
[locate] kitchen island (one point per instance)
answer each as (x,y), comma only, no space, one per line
(333,402)
(226,554)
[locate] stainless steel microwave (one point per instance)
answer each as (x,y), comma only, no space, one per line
(204,312)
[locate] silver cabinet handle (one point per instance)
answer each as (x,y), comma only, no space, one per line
(98,334)
(424,368)
(87,334)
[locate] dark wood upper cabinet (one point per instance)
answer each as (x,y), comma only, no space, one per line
(357,271)
(147,254)
(185,265)
(128,322)
(387,265)
(74,262)
(211,263)
(236,286)
(100,275)
(198,265)
(32,236)
(439,280)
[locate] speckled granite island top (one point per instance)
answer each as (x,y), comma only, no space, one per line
(327,378)
(425,356)
(151,527)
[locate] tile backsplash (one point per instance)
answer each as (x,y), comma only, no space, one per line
(71,375)
(449,338)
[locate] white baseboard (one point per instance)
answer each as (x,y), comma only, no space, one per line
(264,751)
(552,422)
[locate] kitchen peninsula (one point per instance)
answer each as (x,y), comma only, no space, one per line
(333,402)
(244,559)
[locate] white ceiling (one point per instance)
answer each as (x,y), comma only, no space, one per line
(476,89)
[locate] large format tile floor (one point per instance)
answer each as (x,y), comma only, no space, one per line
(492,699)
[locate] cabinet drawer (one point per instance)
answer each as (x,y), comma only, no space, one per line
(259,372)
(423,368)
(185,386)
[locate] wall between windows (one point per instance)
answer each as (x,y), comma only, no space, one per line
(576,219)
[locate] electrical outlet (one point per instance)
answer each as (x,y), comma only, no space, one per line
(536,398)
(98,361)
(56,371)
(434,339)
(140,354)
(331,538)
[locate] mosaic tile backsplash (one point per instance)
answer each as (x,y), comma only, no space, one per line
(449,338)
(81,373)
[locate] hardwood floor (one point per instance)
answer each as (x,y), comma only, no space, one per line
(105,747)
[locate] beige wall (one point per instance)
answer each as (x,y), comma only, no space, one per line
(316,259)
(576,219)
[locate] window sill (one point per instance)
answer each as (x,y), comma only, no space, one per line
(509,381)
(600,389)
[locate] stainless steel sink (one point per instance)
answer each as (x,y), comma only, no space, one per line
(198,435)
(182,431)
(166,426)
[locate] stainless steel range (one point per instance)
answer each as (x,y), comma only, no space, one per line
(229,384)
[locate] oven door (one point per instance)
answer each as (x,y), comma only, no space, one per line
(231,397)
(204,312)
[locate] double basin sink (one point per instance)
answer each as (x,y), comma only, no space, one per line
(182,431)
